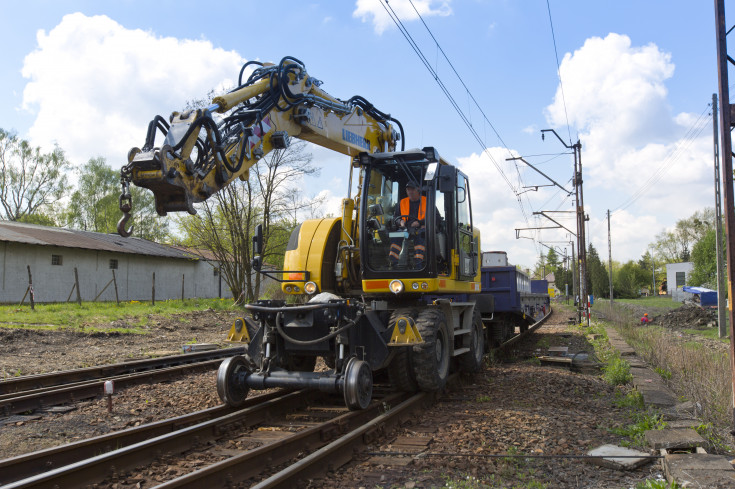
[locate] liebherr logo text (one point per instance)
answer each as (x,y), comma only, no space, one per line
(353,138)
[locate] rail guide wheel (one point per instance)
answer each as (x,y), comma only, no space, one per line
(358,384)
(232,384)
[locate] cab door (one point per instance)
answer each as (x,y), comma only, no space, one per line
(466,244)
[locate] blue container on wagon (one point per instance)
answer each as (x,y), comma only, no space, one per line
(539,286)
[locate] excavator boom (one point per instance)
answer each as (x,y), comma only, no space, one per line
(204,150)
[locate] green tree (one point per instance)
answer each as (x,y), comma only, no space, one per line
(31,180)
(598,281)
(552,261)
(628,280)
(94,206)
(704,257)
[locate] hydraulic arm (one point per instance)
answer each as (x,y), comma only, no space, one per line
(205,149)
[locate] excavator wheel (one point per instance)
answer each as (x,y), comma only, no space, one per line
(431,360)
(472,360)
(231,387)
(358,384)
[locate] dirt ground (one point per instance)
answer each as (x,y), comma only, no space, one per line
(28,351)
(513,406)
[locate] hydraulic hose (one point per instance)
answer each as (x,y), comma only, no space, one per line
(279,328)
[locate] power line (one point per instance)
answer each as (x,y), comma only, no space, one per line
(558,71)
(397,21)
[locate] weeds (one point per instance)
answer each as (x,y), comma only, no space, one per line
(632,400)
(657,484)
(717,443)
(665,374)
(696,373)
(617,371)
(635,432)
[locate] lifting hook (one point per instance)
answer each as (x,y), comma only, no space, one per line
(126,206)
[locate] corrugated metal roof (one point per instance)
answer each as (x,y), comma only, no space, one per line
(70,238)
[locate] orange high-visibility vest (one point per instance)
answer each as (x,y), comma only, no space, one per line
(406,205)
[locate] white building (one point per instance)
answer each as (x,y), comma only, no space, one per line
(676,278)
(53,253)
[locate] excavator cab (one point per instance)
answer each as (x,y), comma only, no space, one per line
(397,240)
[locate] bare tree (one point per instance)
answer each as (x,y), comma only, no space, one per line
(225,223)
(30,179)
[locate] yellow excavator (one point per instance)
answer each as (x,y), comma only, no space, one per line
(393,283)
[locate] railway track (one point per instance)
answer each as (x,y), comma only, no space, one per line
(272,441)
(22,394)
(275,429)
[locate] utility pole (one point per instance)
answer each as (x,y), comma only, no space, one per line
(721,321)
(653,273)
(583,307)
(727,177)
(609,254)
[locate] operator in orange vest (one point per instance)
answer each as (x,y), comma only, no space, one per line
(413,206)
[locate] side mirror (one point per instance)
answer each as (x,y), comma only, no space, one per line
(257,262)
(258,240)
(447,179)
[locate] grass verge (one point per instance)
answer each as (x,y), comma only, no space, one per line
(71,316)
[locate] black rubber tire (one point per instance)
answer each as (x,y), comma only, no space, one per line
(471,361)
(431,360)
(400,372)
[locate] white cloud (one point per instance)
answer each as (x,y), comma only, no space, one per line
(372,11)
(107,82)
(633,145)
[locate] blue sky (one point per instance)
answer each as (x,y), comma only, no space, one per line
(637,78)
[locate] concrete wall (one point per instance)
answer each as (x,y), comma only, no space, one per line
(53,283)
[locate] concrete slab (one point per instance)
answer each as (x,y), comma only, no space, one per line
(682,423)
(676,438)
(618,458)
(698,470)
(656,397)
(636,362)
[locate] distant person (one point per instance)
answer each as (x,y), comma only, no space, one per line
(644,319)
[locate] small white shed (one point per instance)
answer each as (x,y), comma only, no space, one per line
(676,278)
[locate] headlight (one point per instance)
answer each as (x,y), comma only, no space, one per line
(287,288)
(310,287)
(295,288)
(415,286)
(396,286)
(424,285)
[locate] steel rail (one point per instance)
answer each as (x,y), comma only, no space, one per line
(523,334)
(99,467)
(339,452)
(30,464)
(254,462)
(86,390)
(53,379)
